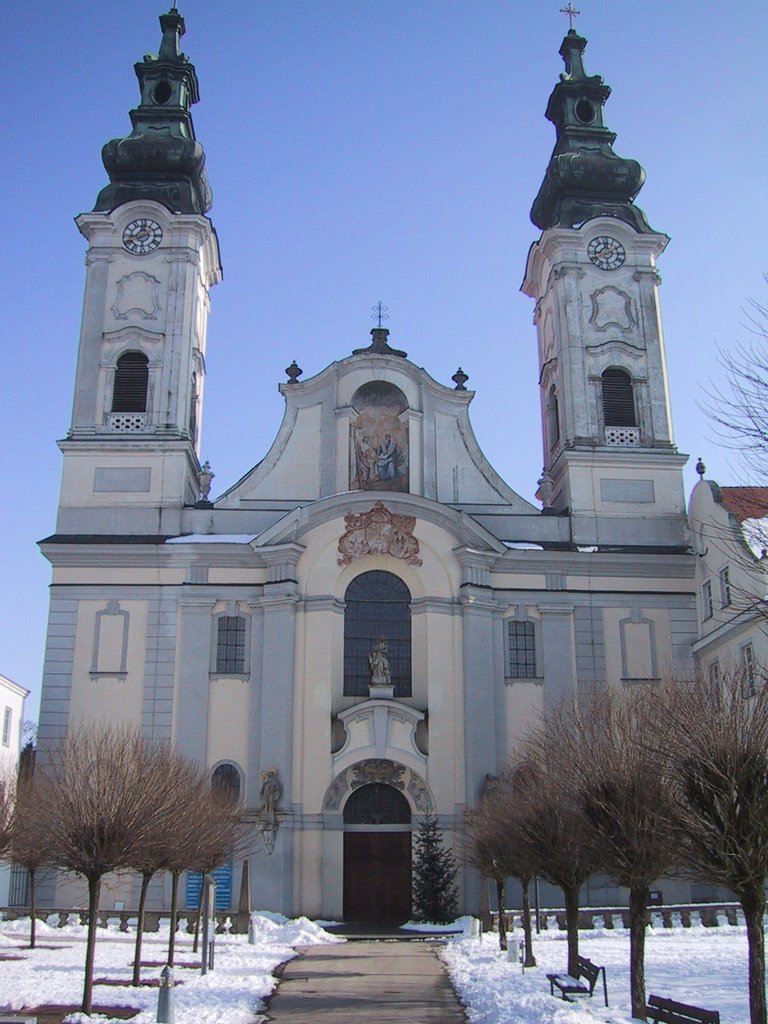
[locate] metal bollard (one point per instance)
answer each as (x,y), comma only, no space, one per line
(251,932)
(165,997)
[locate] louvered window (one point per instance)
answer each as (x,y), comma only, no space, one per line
(230,645)
(618,399)
(131,383)
(377,604)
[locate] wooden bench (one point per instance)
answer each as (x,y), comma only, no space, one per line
(667,1011)
(569,985)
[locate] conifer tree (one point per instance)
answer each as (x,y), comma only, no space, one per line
(434,876)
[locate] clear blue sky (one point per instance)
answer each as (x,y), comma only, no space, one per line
(362,150)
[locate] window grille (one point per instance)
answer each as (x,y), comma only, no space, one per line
(521,643)
(618,399)
(131,383)
(707,605)
(230,645)
(127,422)
(725,587)
(622,436)
(377,604)
(7,715)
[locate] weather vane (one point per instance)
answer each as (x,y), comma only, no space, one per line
(571,11)
(380,312)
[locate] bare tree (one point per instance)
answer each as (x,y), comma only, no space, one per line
(221,835)
(99,803)
(551,827)
(716,754)
(179,784)
(491,848)
(32,843)
(7,799)
(618,782)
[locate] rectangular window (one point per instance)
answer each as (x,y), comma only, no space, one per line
(714,678)
(521,640)
(725,587)
(749,669)
(707,607)
(230,645)
(7,727)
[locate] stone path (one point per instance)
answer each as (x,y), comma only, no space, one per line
(385,982)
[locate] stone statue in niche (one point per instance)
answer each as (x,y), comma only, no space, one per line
(379,448)
(379,664)
(271,790)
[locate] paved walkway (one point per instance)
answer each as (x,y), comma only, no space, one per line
(385,982)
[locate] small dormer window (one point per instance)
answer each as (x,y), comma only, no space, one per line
(131,383)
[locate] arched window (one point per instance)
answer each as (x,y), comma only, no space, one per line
(226,780)
(618,399)
(377,804)
(553,418)
(377,604)
(131,383)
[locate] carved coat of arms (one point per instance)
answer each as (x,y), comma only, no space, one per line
(378,532)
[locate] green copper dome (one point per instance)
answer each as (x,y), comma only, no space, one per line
(585,178)
(160,159)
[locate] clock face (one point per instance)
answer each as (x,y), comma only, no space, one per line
(142,236)
(606,253)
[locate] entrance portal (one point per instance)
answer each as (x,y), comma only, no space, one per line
(377,856)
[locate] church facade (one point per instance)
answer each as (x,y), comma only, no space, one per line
(360,630)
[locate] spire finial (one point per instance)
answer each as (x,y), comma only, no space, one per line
(571,11)
(701,469)
(380,312)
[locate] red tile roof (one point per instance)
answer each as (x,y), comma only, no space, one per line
(746,502)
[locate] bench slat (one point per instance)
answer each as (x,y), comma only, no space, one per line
(668,1011)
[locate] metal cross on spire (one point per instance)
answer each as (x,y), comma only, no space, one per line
(379,312)
(571,11)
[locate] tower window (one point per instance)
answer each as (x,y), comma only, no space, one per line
(553,418)
(230,645)
(377,604)
(131,383)
(7,715)
(618,399)
(725,587)
(707,604)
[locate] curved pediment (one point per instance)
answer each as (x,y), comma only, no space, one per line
(297,523)
(374,423)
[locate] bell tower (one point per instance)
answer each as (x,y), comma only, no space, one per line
(131,454)
(609,458)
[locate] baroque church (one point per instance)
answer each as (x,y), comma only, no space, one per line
(359,631)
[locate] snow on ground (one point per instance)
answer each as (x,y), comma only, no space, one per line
(703,966)
(233,992)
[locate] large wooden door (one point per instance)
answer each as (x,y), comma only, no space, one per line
(377,877)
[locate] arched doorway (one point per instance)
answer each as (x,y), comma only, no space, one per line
(377,855)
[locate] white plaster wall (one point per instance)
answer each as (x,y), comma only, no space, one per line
(104,699)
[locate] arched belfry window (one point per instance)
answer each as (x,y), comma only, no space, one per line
(553,418)
(377,604)
(618,399)
(131,383)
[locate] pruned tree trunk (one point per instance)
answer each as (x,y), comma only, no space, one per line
(571,894)
(502,914)
(94,890)
(638,904)
(530,959)
(174,915)
(32,908)
(146,878)
(753,905)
